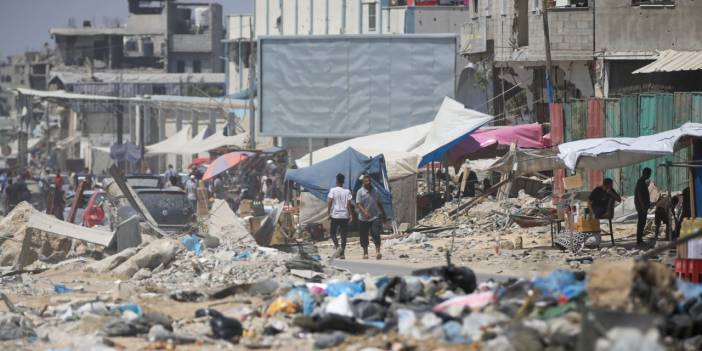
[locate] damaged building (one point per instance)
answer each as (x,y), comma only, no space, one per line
(177,37)
(594,48)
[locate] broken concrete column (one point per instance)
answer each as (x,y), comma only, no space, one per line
(158,252)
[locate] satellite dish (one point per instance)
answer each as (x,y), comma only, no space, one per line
(6,150)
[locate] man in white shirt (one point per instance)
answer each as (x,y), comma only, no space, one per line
(191,190)
(340,210)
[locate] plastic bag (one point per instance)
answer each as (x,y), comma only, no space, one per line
(281,305)
(192,243)
(349,288)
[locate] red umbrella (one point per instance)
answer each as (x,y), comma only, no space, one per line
(225,162)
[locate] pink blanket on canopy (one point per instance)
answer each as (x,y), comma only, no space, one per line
(528,136)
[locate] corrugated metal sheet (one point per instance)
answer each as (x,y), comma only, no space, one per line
(595,129)
(674,61)
(557,137)
(696,108)
(567,123)
(665,120)
(648,113)
(579,118)
(683,108)
(629,113)
(613,128)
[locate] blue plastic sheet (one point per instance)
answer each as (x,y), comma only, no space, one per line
(242,256)
(560,284)
(302,296)
(61,288)
(349,288)
(130,307)
(192,243)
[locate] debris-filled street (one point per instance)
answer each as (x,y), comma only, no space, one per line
(351,175)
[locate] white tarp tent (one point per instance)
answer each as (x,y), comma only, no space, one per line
(452,123)
(185,149)
(218,140)
(404,148)
(607,153)
(167,146)
(395,147)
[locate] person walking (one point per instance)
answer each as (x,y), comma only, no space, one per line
(642,200)
(370,214)
(191,190)
(169,174)
(339,210)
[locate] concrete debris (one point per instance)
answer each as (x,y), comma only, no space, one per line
(160,294)
(159,252)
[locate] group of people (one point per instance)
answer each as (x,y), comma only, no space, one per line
(368,209)
(603,199)
(232,186)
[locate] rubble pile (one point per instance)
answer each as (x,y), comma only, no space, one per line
(214,287)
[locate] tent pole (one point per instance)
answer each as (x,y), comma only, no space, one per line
(387,188)
(309,149)
(670,202)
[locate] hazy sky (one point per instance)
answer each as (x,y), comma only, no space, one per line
(24,24)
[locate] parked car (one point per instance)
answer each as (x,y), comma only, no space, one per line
(94,212)
(145,181)
(170,208)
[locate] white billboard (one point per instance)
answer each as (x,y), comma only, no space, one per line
(348,86)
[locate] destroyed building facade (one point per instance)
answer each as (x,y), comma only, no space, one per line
(178,37)
(595,46)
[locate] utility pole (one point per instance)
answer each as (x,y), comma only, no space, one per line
(547,42)
(252,70)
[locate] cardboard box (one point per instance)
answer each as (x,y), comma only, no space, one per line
(245,208)
(693,248)
(587,225)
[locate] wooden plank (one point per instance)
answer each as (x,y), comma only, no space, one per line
(131,196)
(76,201)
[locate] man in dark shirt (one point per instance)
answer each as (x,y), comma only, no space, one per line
(602,199)
(642,200)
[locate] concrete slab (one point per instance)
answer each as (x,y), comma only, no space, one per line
(52,225)
(128,234)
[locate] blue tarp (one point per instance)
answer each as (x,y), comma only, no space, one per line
(320,177)
(125,152)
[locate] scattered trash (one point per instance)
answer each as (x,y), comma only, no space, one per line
(242,256)
(222,327)
(282,305)
(349,288)
(192,243)
(61,288)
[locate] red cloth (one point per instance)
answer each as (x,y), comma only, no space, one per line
(527,136)
(58,182)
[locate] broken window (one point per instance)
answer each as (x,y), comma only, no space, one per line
(569,3)
(158,90)
(371,17)
(522,23)
(652,2)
